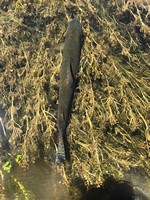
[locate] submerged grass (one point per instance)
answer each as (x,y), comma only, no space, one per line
(108,131)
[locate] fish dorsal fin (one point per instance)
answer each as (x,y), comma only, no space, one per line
(71,75)
(64,115)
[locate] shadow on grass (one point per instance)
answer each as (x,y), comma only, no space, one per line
(115,190)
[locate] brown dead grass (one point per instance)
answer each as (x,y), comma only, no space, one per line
(109,127)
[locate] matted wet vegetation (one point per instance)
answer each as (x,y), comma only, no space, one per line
(108,131)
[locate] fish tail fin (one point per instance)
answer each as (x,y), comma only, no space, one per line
(60,156)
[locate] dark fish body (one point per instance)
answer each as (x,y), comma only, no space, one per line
(68,75)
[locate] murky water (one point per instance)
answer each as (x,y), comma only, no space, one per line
(40,182)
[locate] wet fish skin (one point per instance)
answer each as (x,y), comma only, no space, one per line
(68,75)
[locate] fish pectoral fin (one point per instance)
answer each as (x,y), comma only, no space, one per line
(71,76)
(59,47)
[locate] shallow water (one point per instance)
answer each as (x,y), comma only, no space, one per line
(40,182)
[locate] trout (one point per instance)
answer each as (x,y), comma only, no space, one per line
(68,76)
